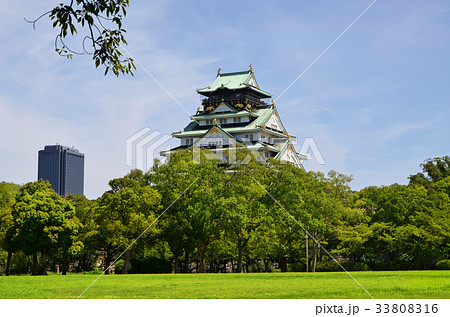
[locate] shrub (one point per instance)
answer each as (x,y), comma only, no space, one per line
(328,266)
(443,265)
(355,266)
(93,272)
(150,265)
(119,266)
(21,263)
(395,266)
(256,267)
(297,267)
(332,266)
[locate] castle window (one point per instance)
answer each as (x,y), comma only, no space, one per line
(215,143)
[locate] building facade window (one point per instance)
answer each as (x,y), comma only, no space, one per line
(63,167)
(215,143)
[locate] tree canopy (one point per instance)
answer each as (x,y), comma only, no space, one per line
(211,216)
(43,222)
(433,170)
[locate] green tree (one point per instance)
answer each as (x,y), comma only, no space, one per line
(171,180)
(202,206)
(124,214)
(313,200)
(432,242)
(433,170)
(353,230)
(220,252)
(443,186)
(8,192)
(408,225)
(87,235)
(241,203)
(196,211)
(287,184)
(43,222)
(397,204)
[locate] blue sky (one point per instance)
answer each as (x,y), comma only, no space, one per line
(376,103)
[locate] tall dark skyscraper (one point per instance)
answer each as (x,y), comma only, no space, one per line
(63,167)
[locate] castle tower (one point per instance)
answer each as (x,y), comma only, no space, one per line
(233,112)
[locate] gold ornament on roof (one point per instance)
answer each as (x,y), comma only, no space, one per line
(215,121)
(198,109)
(218,71)
(251,68)
(273,103)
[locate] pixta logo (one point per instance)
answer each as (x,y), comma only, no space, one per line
(144,146)
(309,149)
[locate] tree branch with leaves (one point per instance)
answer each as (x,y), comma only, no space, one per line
(105,32)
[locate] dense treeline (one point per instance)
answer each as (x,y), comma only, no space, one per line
(186,216)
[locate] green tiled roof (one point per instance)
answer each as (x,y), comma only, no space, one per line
(262,116)
(237,80)
(222,114)
(251,128)
(283,150)
(218,127)
(190,126)
(271,148)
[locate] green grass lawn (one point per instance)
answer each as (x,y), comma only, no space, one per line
(403,284)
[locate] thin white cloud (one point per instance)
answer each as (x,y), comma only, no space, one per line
(401,129)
